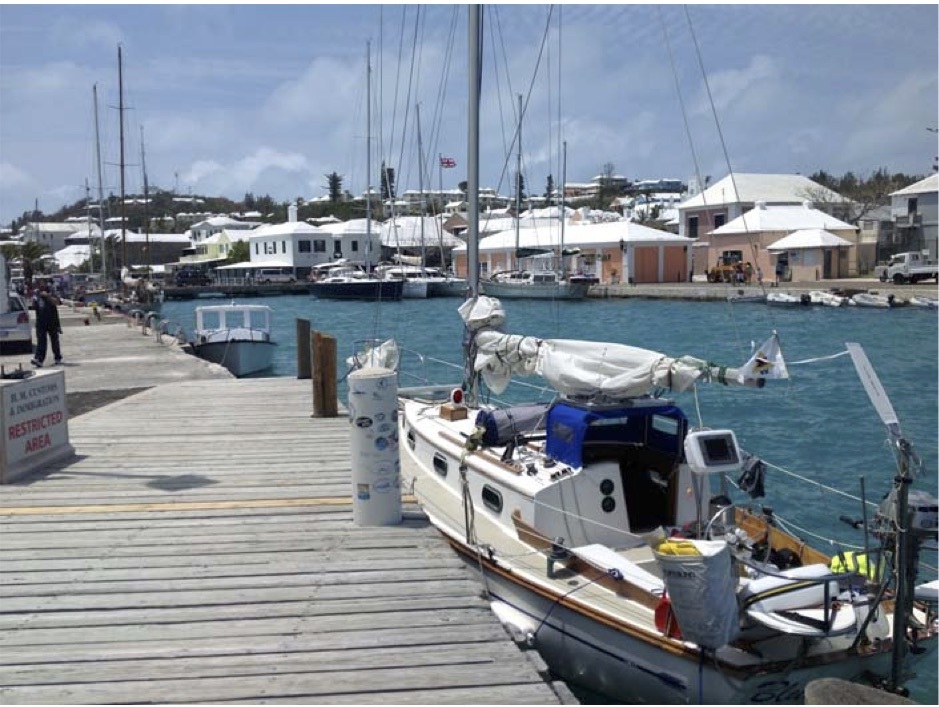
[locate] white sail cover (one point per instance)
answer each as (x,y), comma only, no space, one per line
(579,368)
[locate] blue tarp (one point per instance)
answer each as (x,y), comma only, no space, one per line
(569,427)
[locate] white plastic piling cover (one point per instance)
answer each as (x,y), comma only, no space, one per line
(373,445)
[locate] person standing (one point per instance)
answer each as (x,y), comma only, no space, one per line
(48,325)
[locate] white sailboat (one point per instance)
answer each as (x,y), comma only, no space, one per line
(544,278)
(605,532)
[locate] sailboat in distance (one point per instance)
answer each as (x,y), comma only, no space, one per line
(617,538)
(543,278)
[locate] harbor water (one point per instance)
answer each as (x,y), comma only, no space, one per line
(819,424)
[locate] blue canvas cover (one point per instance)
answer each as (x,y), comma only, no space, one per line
(570,426)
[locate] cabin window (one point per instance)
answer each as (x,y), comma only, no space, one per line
(355,246)
(692,227)
(319,246)
(283,246)
(668,425)
(257,248)
(492,499)
(303,246)
(440,464)
(719,220)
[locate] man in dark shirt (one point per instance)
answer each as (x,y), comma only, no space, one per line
(47,324)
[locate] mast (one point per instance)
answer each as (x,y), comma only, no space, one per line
(518,181)
(474,68)
(420,182)
(472,158)
(368,156)
(563,211)
(146,200)
(120,108)
(104,270)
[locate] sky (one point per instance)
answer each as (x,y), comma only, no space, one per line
(230,99)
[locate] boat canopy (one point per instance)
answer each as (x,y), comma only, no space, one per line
(572,428)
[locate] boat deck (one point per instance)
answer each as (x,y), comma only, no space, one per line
(200,548)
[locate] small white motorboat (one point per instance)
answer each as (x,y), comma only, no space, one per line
(872,299)
(236,336)
(924,302)
(786,298)
(827,299)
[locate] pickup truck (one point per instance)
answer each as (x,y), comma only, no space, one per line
(908,267)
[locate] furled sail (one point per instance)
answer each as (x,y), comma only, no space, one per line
(581,368)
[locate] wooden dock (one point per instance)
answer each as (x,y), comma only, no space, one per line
(200,548)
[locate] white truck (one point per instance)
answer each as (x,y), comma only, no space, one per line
(908,268)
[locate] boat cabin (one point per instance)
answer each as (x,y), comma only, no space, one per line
(633,476)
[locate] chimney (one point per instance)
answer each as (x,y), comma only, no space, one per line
(292,213)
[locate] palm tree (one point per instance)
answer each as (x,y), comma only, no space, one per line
(31,255)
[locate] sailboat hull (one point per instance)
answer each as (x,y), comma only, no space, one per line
(588,634)
(531,290)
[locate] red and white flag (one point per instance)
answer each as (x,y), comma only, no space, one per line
(447,162)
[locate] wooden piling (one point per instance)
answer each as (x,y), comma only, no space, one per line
(303,351)
(325,402)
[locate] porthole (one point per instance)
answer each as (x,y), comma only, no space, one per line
(608,504)
(412,440)
(606,487)
(492,499)
(440,464)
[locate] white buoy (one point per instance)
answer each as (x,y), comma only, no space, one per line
(376,467)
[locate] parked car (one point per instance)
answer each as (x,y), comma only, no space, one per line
(16,334)
(269,275)
(191,277)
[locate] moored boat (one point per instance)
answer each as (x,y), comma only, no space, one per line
(236,336)
(612,534)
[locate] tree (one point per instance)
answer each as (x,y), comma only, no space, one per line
(240,252)
(549,190)
(334,187)
(463,186)
(387,182)
(857,195)
(520,187)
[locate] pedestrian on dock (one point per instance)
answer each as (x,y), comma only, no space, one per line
(48,325)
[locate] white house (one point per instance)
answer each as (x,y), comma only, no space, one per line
(216,224)
(916,216)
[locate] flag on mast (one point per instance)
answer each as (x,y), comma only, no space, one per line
(447,162)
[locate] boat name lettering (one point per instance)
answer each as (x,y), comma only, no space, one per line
(37,424)
(777,691)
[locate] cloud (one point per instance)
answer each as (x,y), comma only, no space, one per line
(92,34)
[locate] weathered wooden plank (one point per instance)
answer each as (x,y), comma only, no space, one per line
(91,654)
(312,684)
(175,563)
(378,657)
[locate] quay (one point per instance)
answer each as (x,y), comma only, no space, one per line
(199,547)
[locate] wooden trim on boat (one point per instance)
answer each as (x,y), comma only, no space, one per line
(591,572)
(757,527)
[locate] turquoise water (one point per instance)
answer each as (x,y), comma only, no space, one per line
(819,424)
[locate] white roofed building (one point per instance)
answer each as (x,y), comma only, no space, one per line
(754,232)
(617,251)
(916,216)
(736,194)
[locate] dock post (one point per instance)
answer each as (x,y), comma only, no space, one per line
(373,446)
(303,351)
(325,403)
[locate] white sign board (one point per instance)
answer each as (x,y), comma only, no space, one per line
(34,423)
